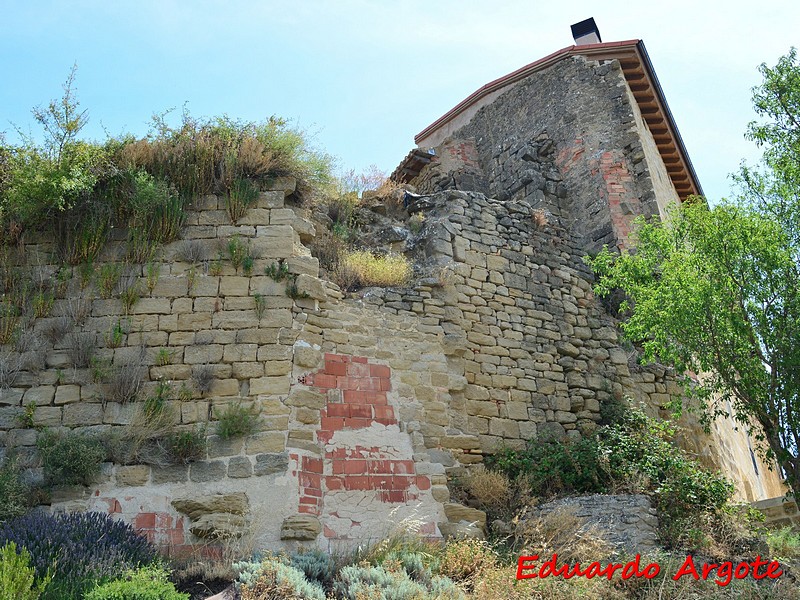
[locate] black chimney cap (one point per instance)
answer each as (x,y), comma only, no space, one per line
(586,27)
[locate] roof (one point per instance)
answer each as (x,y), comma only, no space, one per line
(642,80)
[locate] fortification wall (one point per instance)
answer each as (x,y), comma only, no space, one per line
(366,405)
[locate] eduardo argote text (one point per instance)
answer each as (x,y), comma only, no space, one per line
(529,567)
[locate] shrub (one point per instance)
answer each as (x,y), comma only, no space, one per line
(491,488)
(71,458)
(81,548)
(634,453)
(203,377)
(784,542)
(56,329)
(81,349)
(317,565)
(146,583)
(17,577)
(191,251)
(356,582)
(236,421)
(370,270)
(553,467)
(14,492)
(242,194)
(127,379)
(274,580)
(188,446)
(464,560)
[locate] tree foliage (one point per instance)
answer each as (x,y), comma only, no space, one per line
(714,289)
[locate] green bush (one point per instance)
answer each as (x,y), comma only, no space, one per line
(635,454)
(188,446)
(71,458)
(236,421)
(147,583)
(14,492)
(17,577)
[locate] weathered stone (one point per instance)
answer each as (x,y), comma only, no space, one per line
(461,531)
(301,527)
(203,471)
(219,526)
(196,507)
(239,467)
(132,475)
(456,513)
(270,464)
(67,394)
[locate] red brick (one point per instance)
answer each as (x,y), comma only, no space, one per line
(336,368)
(360,411)
(378,398)
(357,423)
(381,482)
(376,467)
(308,510)
(331,423)
(357,483)
(163,520)
(353,397)
(336,357)
(328,532)
(379,371)
(355,467)
(393,497)
(334,483)
(338,466)
(384,412)
(312,465)
(368,384)
(347,383)
(385,422)
(312,492)
(338,410)
(176,537)
(423,483)
(324,381)
(359,359)
(358,370)
(145,521)
(401,482)
(310,480)
(403,467)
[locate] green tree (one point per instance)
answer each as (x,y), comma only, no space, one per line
(715,290)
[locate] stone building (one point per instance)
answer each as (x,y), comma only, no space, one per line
(367,404)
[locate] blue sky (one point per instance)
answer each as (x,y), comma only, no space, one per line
(365,77)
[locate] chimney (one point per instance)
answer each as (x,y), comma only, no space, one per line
(586,32)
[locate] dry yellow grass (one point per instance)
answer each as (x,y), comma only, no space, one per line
(368,269)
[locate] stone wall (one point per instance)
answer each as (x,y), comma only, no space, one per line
(581,112)
(626,521)
(366,404)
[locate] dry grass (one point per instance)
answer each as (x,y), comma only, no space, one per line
(464,561)
(561,532)
(539,218)
(491,488)
(367,269)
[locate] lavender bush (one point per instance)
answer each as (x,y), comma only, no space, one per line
(81,548)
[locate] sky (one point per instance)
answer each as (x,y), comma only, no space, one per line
(364,77)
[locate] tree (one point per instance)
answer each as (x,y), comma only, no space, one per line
(716,289)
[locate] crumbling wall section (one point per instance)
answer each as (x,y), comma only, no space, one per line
(581,112)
